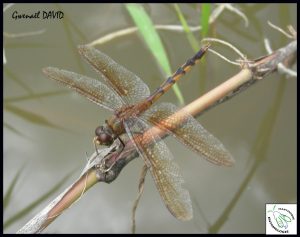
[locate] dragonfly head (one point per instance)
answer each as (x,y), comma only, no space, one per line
(104,136)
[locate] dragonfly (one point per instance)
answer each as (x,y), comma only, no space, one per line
(130,101)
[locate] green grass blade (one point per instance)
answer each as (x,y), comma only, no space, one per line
(30,116)
(260,147)
(34,96)
(67,25)
(191,38)
(206,9)
(7,196)
(153,41)
(13,129)
(10,74)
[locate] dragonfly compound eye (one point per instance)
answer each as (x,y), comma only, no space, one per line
(103,136)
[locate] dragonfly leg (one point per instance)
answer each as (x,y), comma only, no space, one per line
(120,140)
(103,166)
(103,161)
(95,145)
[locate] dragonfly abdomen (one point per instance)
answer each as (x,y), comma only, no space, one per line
(181,71)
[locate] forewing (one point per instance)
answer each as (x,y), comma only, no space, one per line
(90,88)
(163,169)
(125,83)
(190,133)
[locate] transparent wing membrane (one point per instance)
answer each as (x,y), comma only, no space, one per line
(125,83)
(163,169)
(190,132)
(90,88)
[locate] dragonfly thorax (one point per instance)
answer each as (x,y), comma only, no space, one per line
(124,112)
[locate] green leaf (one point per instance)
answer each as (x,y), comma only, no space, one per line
(7,196)
(68,25)
(34,96)
(10,74)
(13,129)
(191,38)
(153,41)
(29,116)
(206,9)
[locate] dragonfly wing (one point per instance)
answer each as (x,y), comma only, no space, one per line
(125,83)
(190,132)
(90,88)
(163,169)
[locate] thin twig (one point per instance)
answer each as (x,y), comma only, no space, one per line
(281,68)
(224,58)
(177,28)
(237,11)
(292,31)
(19,35)
(140,192)
(24,34)
(280,30)
(130,30)
(226,44)
(216,13)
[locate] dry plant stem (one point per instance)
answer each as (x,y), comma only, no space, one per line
(210,98)
(81,186)
(246,77)
(38,223)
(136,202)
